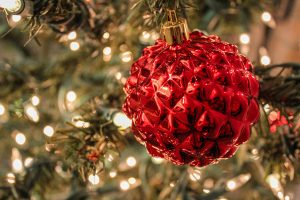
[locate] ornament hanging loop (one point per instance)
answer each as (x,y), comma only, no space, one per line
(175,30)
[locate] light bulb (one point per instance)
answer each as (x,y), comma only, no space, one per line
(106,35)
(231,185)
(32,113)
(195,175)
(20,138)
(28,161)
(17,165)
(10,178)
(71,96)
(107,51)
(132,180)
(2,109)
(124,185)
(94,179)
(157,160)
(48,131)
(13,6)
(131,161)
(113,173)
(121,120)
(74,46)
(35,100)
(266,16)
(126,56)
(245,38)
(265,60)
(16,18)
(72,35)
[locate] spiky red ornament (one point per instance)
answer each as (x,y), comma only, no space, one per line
(192,103)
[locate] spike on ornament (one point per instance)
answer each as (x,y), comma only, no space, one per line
(192,99)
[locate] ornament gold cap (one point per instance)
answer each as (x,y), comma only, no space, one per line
(175,30)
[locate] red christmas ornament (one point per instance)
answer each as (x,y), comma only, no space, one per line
(192,103)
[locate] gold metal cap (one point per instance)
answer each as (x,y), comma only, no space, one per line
(175,30)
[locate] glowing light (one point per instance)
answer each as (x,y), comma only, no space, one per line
(121,120)
(107,51)
(113,174)
(124,185)
(280,195)
(265,60)
(20,138)
(132,180)
(206,191)
(28,161)
(11,5)
(131,161)
(126,56)
(231,185)
(32,113)
(287,197)
(71,96)
(17,165)
(273,181)
(146,35)
(195,175)
(172,184)
(106,35)
(35,100)
(79,123)
(2,109)
(72,35)
(10,178)
(254,151)
(48,131)
(245,38)
(16,18)
(118,75)
(74,46)
(94,179)
(266,16)
(157,160)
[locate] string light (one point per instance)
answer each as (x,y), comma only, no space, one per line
(231,185)
(17,164)
(273,181)
(32,113)
(266,16)
(121,120)
(245,38)
(157,160)
(132,180)
(206,191)
(265,60)
(71,96)
(11,178)
(2,109)
(172,184)
(16,18)
(74,46)
(35,100)
(79,123)
(20,138)
(107,51)
(94,179)
(124,185)
(113,173)
(106,35)
(195,175)
(48,131)
(237,181)
(12,5)
(131,161)
(72,35)
(126,56)
(28,161)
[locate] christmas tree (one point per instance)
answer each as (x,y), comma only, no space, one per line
(149,99)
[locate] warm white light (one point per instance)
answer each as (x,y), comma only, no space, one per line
(113,174)
(126,56)
(265,60)
(10,178)
(32,113)
(206,191)
(146,35)
(245,38)
(231,185)
(35,100)
(11,5)
(124,185)
(287,197)
(131,161)
(28,161)
(157,160)
(132,180)
(2,109)
(107,51)
(48,131)
(266,16)
(16,18)
(273,181)
(94,179)
(17,165)
(195,176)
(71,96)
(72,35)
(121,120)
(280,195)
(110,158)
(79,123)
(20,138)
(74,46)
(172,184)
(106,35)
